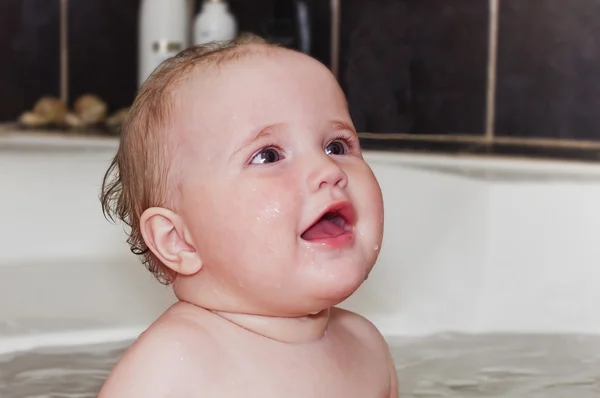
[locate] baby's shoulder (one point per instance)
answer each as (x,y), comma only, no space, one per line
(164,360)
(371,343)
(359,326)
(349,319)
(181,328)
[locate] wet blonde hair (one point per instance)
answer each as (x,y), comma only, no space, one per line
(137,178)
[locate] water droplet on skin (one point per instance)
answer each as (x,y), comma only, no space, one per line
(271,212)
(376,248)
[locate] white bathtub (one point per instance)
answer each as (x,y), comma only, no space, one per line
(471,245)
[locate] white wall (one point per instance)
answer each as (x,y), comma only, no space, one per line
(544,264)
(470,244)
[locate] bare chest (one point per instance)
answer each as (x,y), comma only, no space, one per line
(342,371)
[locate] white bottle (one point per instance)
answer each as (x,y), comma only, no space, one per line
(214,23)
(163,32)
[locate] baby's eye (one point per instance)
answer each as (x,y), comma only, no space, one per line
(336,148)
(268,155)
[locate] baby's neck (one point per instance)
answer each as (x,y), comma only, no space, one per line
(287,330)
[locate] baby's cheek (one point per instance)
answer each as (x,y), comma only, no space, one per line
(370,209)
(269,212)
(271,234)
(269,209)
(369,191)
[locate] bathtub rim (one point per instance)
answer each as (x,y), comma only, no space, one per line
(494,168)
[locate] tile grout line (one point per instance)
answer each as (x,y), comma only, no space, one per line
(191,20)
(64,52)
(335,6)
(490,116)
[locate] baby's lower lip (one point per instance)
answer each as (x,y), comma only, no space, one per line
(337,242)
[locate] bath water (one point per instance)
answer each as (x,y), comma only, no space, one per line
(444,365)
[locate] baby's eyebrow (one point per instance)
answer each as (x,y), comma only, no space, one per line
(340,125)
(262,132)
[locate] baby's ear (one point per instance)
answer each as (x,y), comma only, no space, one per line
(166,235)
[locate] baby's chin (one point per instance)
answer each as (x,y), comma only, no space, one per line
(333,287)
(310,292)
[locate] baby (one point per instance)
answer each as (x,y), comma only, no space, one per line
(241,177)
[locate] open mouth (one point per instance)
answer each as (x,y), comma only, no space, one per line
(335,222)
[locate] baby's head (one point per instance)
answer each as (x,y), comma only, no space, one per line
(241,178)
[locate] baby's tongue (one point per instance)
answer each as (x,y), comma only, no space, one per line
(323,229)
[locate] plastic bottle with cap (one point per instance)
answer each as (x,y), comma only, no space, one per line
(214,22)
(163,32)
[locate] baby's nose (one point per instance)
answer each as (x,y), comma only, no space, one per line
(327,173)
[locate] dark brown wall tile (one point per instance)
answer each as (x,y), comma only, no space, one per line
(103,50)
(415,66)
(548,80)
(29,43)
(256,16)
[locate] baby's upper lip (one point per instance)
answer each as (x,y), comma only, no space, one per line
(344,208)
